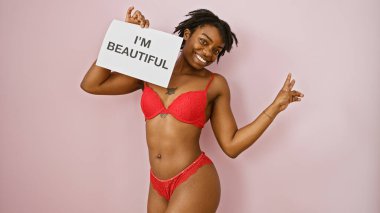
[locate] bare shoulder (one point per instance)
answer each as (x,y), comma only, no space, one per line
(219,85)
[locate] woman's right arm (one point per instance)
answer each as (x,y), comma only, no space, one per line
(101,81)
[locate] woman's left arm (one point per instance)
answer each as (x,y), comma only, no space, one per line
(232,140)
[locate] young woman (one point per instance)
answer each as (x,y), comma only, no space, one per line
(182,177)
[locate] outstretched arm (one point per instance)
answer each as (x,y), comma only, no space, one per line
(232,140)
(101,81)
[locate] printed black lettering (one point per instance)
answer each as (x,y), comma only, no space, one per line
(110,45)
(144,43)
(151,58)
(136,39)
(163,66)
(125,51)
(155,62)
(141,55)
(118,47)
(131,53)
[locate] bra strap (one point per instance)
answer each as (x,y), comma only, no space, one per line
(209,82)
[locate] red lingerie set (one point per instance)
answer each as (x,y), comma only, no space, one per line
(188,107)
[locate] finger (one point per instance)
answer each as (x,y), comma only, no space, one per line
(129,12)
(287,81)
(136,14)
(296,99)
(140,17)
(293,98)
(296,93)
(292,84)
(146,23)
(141,20)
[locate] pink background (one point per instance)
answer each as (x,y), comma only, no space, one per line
(65,151)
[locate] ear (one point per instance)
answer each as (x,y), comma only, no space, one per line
(186,34)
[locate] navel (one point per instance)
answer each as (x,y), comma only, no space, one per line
(159,156)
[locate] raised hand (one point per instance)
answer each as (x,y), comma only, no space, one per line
(136,18)
(287,95)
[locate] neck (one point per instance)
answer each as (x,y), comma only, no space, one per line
(182,67)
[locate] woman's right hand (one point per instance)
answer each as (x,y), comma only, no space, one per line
(136,18)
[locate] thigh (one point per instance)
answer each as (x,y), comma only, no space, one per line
(199,193)
(156,203)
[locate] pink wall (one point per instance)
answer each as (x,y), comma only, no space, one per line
(65,151)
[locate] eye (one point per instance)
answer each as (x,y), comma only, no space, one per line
(202,41)
(216,52)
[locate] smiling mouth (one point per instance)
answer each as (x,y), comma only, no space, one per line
(201,59)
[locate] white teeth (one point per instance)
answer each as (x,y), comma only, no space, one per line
(200,58)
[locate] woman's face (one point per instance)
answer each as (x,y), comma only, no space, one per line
(203,46)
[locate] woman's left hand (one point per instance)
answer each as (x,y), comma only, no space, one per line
(287,95)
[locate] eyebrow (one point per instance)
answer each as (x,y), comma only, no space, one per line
(210,39)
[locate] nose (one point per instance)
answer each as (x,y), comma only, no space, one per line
(207,51)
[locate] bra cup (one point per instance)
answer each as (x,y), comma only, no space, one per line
(151,104)
(188,107)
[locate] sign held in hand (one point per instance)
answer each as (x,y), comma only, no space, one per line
(146,54)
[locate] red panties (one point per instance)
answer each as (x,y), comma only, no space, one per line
(166,187)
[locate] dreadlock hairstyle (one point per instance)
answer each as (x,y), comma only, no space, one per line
(202,17)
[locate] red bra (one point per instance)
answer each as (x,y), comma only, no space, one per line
(188,107)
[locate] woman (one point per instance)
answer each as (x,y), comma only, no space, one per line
(183,178)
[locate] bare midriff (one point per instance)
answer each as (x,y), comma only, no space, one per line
(172,144)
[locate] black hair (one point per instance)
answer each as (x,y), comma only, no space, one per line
(202,17)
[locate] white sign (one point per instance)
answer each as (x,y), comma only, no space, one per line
(142,53)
